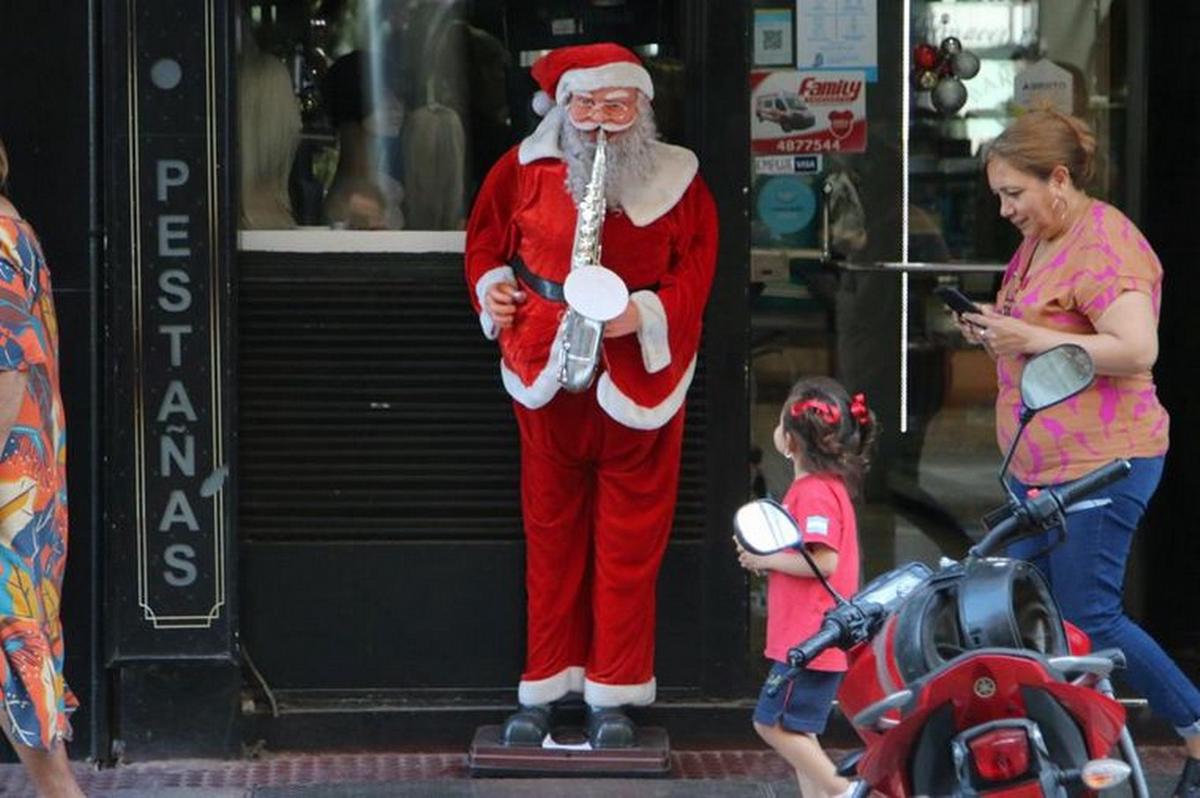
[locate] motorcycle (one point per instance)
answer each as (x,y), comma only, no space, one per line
(965,680)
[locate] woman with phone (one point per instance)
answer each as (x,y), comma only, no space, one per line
(1084,274)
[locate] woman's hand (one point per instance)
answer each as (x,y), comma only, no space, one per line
(629,321)
(501,302)
(970,332)
(1004,335)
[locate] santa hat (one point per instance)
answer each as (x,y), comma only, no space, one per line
(587,67)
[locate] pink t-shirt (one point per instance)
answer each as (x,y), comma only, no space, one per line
(1099,258)
(797,604)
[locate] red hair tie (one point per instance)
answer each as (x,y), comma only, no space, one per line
(858,409)
(830,414)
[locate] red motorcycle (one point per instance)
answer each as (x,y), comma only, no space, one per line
(966,681)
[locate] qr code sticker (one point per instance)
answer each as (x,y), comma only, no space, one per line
(772,40)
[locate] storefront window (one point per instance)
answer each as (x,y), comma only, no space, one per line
(369,115)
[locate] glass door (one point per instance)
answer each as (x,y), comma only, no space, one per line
(991,60)
(843,268)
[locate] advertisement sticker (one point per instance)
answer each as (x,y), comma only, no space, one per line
(1045,82)
(787,165)
(773,37)
(807,112)
(837,35)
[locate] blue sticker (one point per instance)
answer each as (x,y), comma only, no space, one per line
(786,204)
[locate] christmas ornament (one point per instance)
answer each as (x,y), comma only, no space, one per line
(950,46)
(941,70)
(925,56)
(949,95)
(966,65)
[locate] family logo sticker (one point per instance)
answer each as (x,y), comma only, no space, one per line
(841,123)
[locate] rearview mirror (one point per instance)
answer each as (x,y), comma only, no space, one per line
(764,527)
(1055,376)
(1049,378)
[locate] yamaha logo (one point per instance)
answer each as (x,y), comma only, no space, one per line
(985,687)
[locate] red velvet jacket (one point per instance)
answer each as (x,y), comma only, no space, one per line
(525,209)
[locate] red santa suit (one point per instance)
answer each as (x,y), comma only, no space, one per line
(599,469)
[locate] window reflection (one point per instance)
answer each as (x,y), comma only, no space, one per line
(269,136)
(1076,47)
(368,114)
(367,118)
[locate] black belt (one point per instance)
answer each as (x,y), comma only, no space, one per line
(548,289)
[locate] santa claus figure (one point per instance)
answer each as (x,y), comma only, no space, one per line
(599,468)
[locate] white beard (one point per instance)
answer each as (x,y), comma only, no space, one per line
(630,156)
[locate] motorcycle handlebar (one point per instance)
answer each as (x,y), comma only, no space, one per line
(846,625)
(1102,477)
(1040,508)
(829,635)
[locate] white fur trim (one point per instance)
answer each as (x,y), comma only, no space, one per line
(622,409)
(537,394)
(543,141)
(674,169)
(619,695)
(545,384)
(541,103)
(652,331)
(617,75)
(500,274)
(543,691)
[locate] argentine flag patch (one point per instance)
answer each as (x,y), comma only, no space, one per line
(816,525)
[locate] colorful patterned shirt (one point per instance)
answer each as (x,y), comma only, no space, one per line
(1102,256)
(33,500)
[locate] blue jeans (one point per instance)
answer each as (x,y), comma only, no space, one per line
(1087,575)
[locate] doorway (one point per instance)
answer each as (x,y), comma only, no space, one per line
(380,553)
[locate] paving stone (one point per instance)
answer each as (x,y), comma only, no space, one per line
(540,788)
(698,774)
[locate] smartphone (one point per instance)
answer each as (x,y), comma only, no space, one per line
(956,300)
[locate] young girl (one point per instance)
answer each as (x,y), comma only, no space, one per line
(827,435)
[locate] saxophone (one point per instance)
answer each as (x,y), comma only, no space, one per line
(594,294)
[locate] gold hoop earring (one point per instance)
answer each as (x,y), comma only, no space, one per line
(1059,206)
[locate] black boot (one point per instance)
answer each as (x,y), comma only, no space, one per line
(610,727)
(529,725)
(1189,780)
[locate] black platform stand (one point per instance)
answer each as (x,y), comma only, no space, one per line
(569,755)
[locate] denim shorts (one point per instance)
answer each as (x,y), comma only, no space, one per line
(801,705)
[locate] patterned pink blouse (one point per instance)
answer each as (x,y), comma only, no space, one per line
(1099,258)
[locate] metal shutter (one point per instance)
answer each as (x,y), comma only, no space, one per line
(370,405)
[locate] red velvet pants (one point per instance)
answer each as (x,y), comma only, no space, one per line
(598,500)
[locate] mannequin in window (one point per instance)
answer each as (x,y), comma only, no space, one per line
(367,117)
(269,133)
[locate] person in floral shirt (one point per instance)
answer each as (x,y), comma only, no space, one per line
(33,510)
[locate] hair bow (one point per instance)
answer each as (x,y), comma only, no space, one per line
(829,413)
(858,408)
